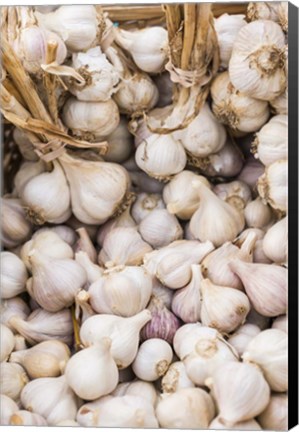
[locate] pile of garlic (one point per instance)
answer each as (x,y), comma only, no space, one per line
(148,287)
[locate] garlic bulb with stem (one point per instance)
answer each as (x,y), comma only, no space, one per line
(27,418)
(223,308)
(60,403)
(13,275)
(191,408)
(214,220)
(7,342)
(144,204)
(237,193)
(92,372)
(46,359)
(234,108)
(16,229)
(124,333)
(152,360)
(8,407)
(176,378)
(15,306)
(240,390)
(250,425)
(124,220)
(12,379)
(42,326)
(257,63)
(281,323)
(98,189)
(179,198)
(257,214)
(160,228)
(122,291)
(275,242)
(265,285)
(273,185)
(242,336)
(268,349)
(275,416)
(120,143)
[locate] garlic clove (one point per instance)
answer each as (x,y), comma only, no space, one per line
(250,425)
(176,378)
(13,275)
(144,204)
(27,418)
(8,408)
(16,229)
(12,378)
(275,416)
(7,342)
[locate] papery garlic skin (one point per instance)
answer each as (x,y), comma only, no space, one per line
(27,418)
(159,228)
(257,214)
(249,425)
(190,408)
(12,379)
(13,275)
(7,342)
(281,323)
(275,416)
(92,372)
(227,28)
(256,66)
(8,407)
(275,242)
(268,350)
(241,392)
(15,227)
(77,25)
(176,378)
(242,336)
(145,203)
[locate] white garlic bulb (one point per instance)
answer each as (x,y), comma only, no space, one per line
(190,408)
(97,188)
(257,214)
(227,28)
(90,119)
(102,76)
(77,25)
(60,403)
(124,220)
(275,416)
(16,229)
(13,275)
(7,342)
(268,350)
(176,378)
(151,61)
(46,359)
(120,143)
(181,199)
(8,407)
(27,171)
(161,156)
(204,135)
(250,425)
(271,143)
(152,360)
(144,204)
(236,193)
(236,109)
(242,336)
(160,228)
(39,196)
(124,333)
(123,246)
(137,387)
(275,242)
(66,233)
(188,335)
(281,323)
(92,372)
(256,66)
(123,291)
(13,307)
(88,413)
(273,185)
(12,379)
(240,390)
(214,220)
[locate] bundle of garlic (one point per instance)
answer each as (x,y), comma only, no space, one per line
(145,218)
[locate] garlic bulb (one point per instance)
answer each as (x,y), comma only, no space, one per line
(204,135)
(25,146)
(251,172)
(235,108)
(223,308)
(241,337)
(263,11)
(176,378)
(190,408)
(273,185)
(241,392)
(123,246)
(151,61)
(92,372)
(46,359)
(161,156)
(250,425)
(145,203)
(163,324)
(271,143)
(160,228)
(227,28)
(120,143)
(13,307)
(54,282)
(275,242)
(281,323)
(13,275)
(268,350)
(12,379)
(90,119)
(186,302)
(124,220)
(152,360)
(31,47)
(42,326)
(122,291)
(102,76)
(137,387)
(214,220)
(257,214)
(77,25)
(7,342)
(236,193)
(39,196)
(179,198)
(275,416)
(16,229)
(137,93)
(124,333)
(88,413)
(97,188)
(256,66)
(8,407)
(27,418)
(60,403)
(27,171)
(265,285)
